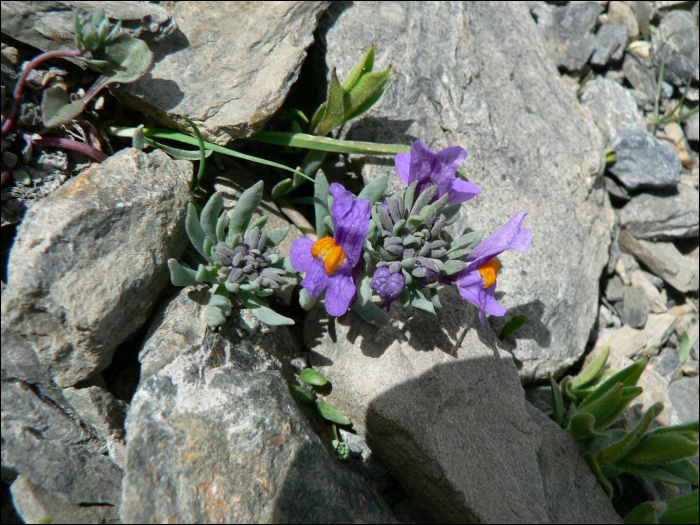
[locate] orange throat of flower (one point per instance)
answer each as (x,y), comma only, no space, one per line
(330,253)
(488,272)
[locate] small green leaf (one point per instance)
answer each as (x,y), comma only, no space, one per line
(222,227)
(259,309)
(363,67)
(129,59)
(312,377)
(557,402)
(276,236)
(648,513)
(317,117)
(366,92)
(214,316)
(305,395)
(451,211)
(683,509)
(219,306)
(598,473)
(181,276)
(627,376)
(581,426)
(312,162)
(306,300)
(591,371)
(195,231)
(248,202)
(281,188)
(451,267)
(260,222)
(22,177)
(210,216)
(334,106)
(363,290)
(139,140)
(328,223)
(604,404)
(331,413)
(661,449)
(684,348)
(618,450)
(57,109)
(674,473)
(469,240)
(374,191)
(372,314)
(420,303)
(9,159)
(321,193)
(409,194)
(512,326)
(341,450)
(422,201)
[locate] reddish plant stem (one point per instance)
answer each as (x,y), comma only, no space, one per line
(69,144)
(5,174)
(19,87)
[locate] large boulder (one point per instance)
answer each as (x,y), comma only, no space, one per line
(90,261)
(476,75)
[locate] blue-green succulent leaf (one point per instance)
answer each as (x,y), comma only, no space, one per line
(248,202)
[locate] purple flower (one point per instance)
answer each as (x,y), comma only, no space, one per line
(477,282)
(388,285)
(428,168)
(329,262)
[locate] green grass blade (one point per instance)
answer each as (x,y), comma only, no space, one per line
(202,156)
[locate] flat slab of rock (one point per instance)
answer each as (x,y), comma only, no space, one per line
(678,43)
(654,218)
(443,407)
(229,67)
(226,445)
(462,83)
(90,260)
(644,162)
(664,260)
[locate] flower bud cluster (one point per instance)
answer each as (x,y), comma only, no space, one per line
(92,31)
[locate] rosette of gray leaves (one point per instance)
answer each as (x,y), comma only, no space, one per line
(238,258)
(406,236)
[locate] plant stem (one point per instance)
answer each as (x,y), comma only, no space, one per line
(5,175)
(74,145)
(667,120)
(21,83)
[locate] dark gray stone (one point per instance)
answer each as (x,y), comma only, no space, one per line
(455,66)
(35,505)
(635,307)
(222,444)
(615,290)
(684,399)
(677,41)
(644,162)
(663,218)
(568,32)
(667,364)
(611,106)
(616,190)
(610,42)
(90,260)
(640,73)
(229,68)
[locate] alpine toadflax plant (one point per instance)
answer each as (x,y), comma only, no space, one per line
(329,262)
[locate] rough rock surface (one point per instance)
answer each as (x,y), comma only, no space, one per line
(611,106)
(610,41)
(49,25)
(644,162)
(229,67)
(474,75)
(635,307)
(443,407)
(214,435)
(654,218)
(678,44)
(89,261)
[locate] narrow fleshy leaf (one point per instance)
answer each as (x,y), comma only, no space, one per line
(683,509)
(422,201)
(276,236)
(684,348)
(305,395)
(363,67)
(606,419)
(214,316)
(313,377)
(661,449)
(219,306)
(317,117)
(372,314)
(364,289)
(139,140)
(648,513)
(210,216)
(321,193)
(617,451)
(605,403)
(374,191)
(222,227)
(591,371)
(581,426)
(366,92)
(306,300)
(334,113)
(181,276)
(260,222)
(469,240)
(195,231)
(673,474)
(281,188)
(627,376)
(512,326)
(331,413)
(420,303)
(259,309)
(409,195)
(248,202)
(312,162)
(598,473)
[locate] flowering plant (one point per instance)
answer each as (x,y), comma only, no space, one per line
(396,248)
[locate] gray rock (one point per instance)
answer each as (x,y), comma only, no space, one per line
(683,394)
(654,218)
(229,68)
(621,13)
(35,504)
(611,106)
(640,74)
(223,444)
(49,25)
(610,41)
(635,307)
(455,90)
(90,260)
(667,364)
(568,32)
(178,328)
(616,190)
(443,407)
(677,42)
(615,290)
(664,259)
(692,125)
(231,183)
(644,162)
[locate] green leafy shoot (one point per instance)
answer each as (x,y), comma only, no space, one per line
(202,153)
(512,326)
(312,377)
(684,348)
